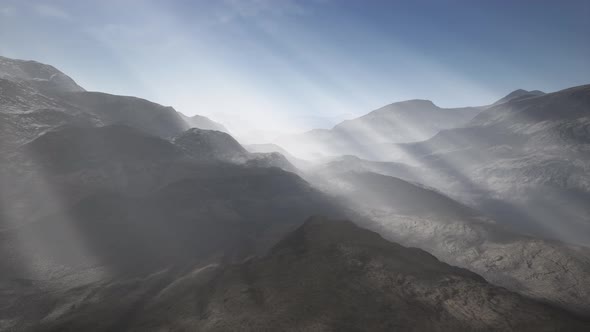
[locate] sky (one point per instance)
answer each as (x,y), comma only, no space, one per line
(264,66)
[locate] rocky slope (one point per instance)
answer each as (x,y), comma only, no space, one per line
(143,193)
(325,276)
(213,145)
(41,76)
(418,216)
(273,148)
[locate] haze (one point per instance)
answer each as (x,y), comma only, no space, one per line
(265,67)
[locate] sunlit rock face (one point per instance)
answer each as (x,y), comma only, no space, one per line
(408,121)
(326,275)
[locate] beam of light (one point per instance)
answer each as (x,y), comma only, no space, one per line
(51,254)
(209,81)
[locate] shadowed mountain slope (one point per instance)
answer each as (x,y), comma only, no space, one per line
(325,276)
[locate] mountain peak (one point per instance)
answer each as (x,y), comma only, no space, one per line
(42,76)
(207,144)
(519,94)
(412,103)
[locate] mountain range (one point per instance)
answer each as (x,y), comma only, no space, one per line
(524,159)
(407,121)
(120,214)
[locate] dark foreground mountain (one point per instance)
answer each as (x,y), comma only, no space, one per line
(325,276)
(137,202)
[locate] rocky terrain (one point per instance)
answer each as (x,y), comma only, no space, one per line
(326,275)
(117,213)
(418,216)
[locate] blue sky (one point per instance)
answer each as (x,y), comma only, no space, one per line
(290,65)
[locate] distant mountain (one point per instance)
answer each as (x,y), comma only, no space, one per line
(524,161)
(347,164)
(326,276)
(140,203)
(266,148)
(202,122)
(406,121)
(519,94)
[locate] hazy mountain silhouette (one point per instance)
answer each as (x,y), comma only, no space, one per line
(524,161)
(406,121)
(519,94)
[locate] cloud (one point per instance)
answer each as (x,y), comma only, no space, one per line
(46,10)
